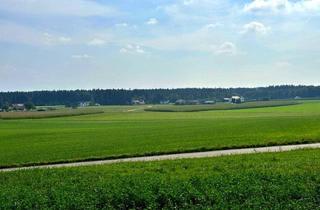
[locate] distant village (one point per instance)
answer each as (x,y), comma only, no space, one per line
(31,107)
(233,100)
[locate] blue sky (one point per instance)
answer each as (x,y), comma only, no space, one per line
(59,44)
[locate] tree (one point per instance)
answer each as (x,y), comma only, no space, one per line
(5,107)
(124,97)
(29,106)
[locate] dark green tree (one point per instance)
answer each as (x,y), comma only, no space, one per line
(29,106)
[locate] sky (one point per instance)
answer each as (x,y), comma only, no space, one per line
(85,44)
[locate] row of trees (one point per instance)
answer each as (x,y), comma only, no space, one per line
(122,96)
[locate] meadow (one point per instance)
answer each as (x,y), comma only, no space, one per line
(125,131)
(288,180)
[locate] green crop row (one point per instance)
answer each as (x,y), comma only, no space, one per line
(287,180)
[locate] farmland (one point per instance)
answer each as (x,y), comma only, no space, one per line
(125,131)
(288,180)
(219,106)
(61,112)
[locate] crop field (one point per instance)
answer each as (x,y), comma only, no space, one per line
(288,180)
(125,131)
(61,112)
(219,106)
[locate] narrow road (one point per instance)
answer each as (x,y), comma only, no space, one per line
(175,156)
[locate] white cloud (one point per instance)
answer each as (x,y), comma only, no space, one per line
(226,48)
(82,8)
(132,48)
(200,3)
(81,56)
(15,33)
(50,39)
(197,11)
(152,21)
(257,5)
(212,26)
(97,42)
(124,50)
(121,24)
(188,2)
(63,39)
(283,6)
(255,27)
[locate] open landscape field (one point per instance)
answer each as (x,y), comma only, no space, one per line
(219,106)
(288,180)
(162,104)
(61,112)
(126,131)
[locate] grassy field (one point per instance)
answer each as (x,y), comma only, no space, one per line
(219,106)
(61,112)
(287,180)
(130,131)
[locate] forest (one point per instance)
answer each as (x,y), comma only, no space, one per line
(154,96)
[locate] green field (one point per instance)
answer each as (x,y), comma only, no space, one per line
(219,106)
(61,112)
(130,131)
(287,180)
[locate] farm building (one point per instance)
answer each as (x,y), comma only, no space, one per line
(18,107)
(165,102)
(138,102)
(84,104)
(237,99)
(180,102)
(208,102)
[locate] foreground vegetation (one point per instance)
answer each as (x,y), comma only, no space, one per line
(124,131)
(219,106)
(287,180)
(62,112)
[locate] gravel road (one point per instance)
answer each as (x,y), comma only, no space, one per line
(174,156)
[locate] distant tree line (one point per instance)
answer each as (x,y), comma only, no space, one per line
(153,96)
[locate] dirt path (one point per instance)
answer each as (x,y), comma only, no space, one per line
(176,156)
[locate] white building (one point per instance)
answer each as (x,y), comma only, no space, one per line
(138,102)
(18,107)
(237,99)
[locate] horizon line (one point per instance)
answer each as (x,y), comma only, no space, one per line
(161,88)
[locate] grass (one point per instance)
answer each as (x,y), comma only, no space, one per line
(124,131)
(219,106)
(61,112)
(288,180)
